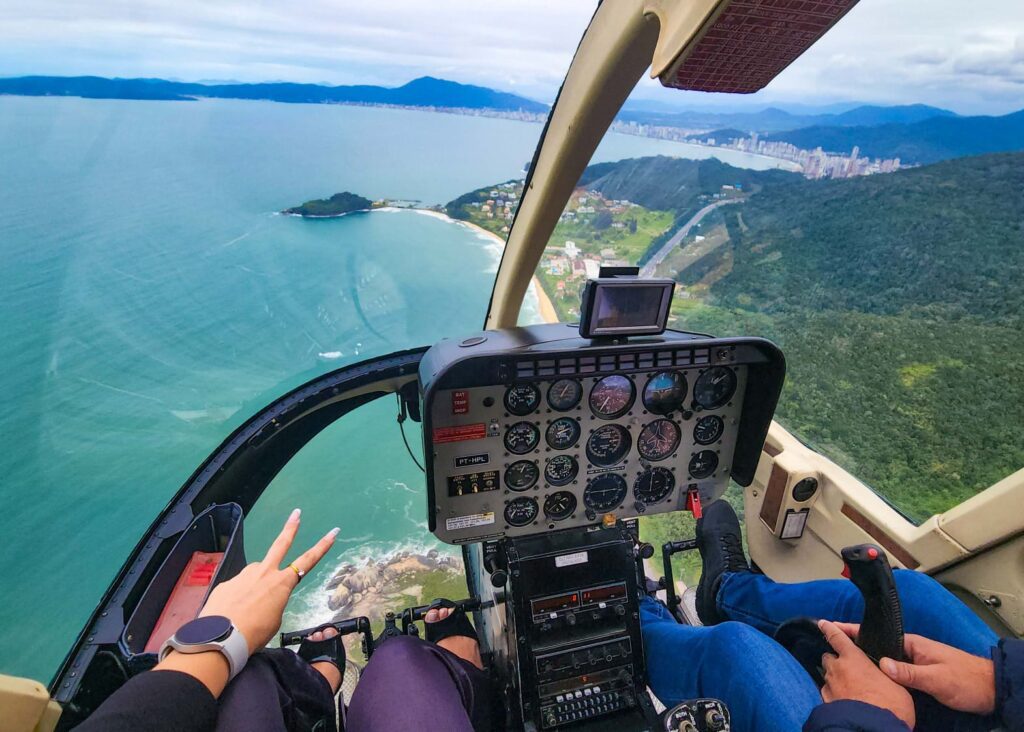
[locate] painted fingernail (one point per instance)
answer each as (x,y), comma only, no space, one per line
(295,514)
(334,532)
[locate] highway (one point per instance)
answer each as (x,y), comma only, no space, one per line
(667,247)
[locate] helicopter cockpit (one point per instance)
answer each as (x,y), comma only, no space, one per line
(545,444)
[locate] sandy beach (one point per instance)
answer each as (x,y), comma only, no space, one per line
(546,307)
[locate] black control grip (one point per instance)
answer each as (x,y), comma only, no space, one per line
(881,629)
(349,625)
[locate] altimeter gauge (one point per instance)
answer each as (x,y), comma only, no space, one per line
(564,394)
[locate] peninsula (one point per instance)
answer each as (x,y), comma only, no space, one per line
(337,205)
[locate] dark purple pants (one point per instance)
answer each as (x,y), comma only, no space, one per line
(408,684)
(412,684)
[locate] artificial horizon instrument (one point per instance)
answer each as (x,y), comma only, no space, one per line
(545,444)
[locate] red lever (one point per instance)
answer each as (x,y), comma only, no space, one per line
(693,503)
(846,571)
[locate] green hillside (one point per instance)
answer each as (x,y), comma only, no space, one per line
(898,300)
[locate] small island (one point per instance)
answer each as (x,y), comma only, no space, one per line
(337,205)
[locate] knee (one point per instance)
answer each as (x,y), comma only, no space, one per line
(401,651)
(916,586)
(734,635)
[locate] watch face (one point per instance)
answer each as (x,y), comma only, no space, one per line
(203,630)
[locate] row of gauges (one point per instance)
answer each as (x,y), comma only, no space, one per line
(610,443)
(560,470)
(612,396)
(602,494)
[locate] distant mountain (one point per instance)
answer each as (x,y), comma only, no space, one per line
(423,92)
(674,184)
(927,141)
(774,119)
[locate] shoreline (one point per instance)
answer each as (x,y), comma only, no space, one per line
(545,307)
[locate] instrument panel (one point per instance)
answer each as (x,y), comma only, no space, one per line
(519,444)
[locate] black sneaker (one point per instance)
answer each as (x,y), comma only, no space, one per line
(721,550)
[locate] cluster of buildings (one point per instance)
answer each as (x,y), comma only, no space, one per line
(815,163)
(500,204)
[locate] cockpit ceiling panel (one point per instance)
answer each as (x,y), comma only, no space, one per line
(749,42)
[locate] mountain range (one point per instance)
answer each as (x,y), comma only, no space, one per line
(423,92)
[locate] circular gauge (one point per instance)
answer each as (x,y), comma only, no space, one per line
(703,464)
(521,399)
(608,445)
(714,387)
(521,438)
(521,475)
(561,469)
(612,396)
(665,392)
(559,505)
(521,511)
(653,485)
(708,429)
(563,433)
(658,439)
(564,394)
(605,492)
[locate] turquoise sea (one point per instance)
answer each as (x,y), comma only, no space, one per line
(151,300)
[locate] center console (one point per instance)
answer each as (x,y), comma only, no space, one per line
(542,449)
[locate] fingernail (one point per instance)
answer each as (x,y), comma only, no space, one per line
(888,666)
(334,532)
(295,514)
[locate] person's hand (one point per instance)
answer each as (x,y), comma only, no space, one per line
(955,678)
(850,674)
(254,599)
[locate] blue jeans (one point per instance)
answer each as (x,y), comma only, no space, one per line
(763,686)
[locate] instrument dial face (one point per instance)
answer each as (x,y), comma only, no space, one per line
(521,438)
(521,511)
(563,433)
(658,439)
(654,485)
(708,429)
(521,399)
(521,475)
(605,492)
(665,392)
(714,387)
(612,396)
(703,464)
(564,394)
(608,445)
(559,505)
(561,470)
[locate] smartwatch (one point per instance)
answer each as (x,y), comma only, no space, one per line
(210,633)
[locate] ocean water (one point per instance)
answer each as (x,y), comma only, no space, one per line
(151,300)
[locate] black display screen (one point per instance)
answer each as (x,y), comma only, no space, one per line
(624,307)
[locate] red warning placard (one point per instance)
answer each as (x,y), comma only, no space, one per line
(460,433)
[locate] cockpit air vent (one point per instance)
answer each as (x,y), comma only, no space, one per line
(745,44)
(595,363)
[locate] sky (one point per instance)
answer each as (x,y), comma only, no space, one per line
(963,55)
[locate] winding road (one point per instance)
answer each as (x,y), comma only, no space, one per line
(667,247)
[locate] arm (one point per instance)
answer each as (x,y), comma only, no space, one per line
(1008,662)
(181,692)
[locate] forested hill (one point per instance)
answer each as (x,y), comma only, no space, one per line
(945,240)
(927,141)
(674,184)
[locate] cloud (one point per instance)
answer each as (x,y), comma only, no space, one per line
(945,52)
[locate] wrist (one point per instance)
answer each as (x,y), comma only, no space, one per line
(210,668)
